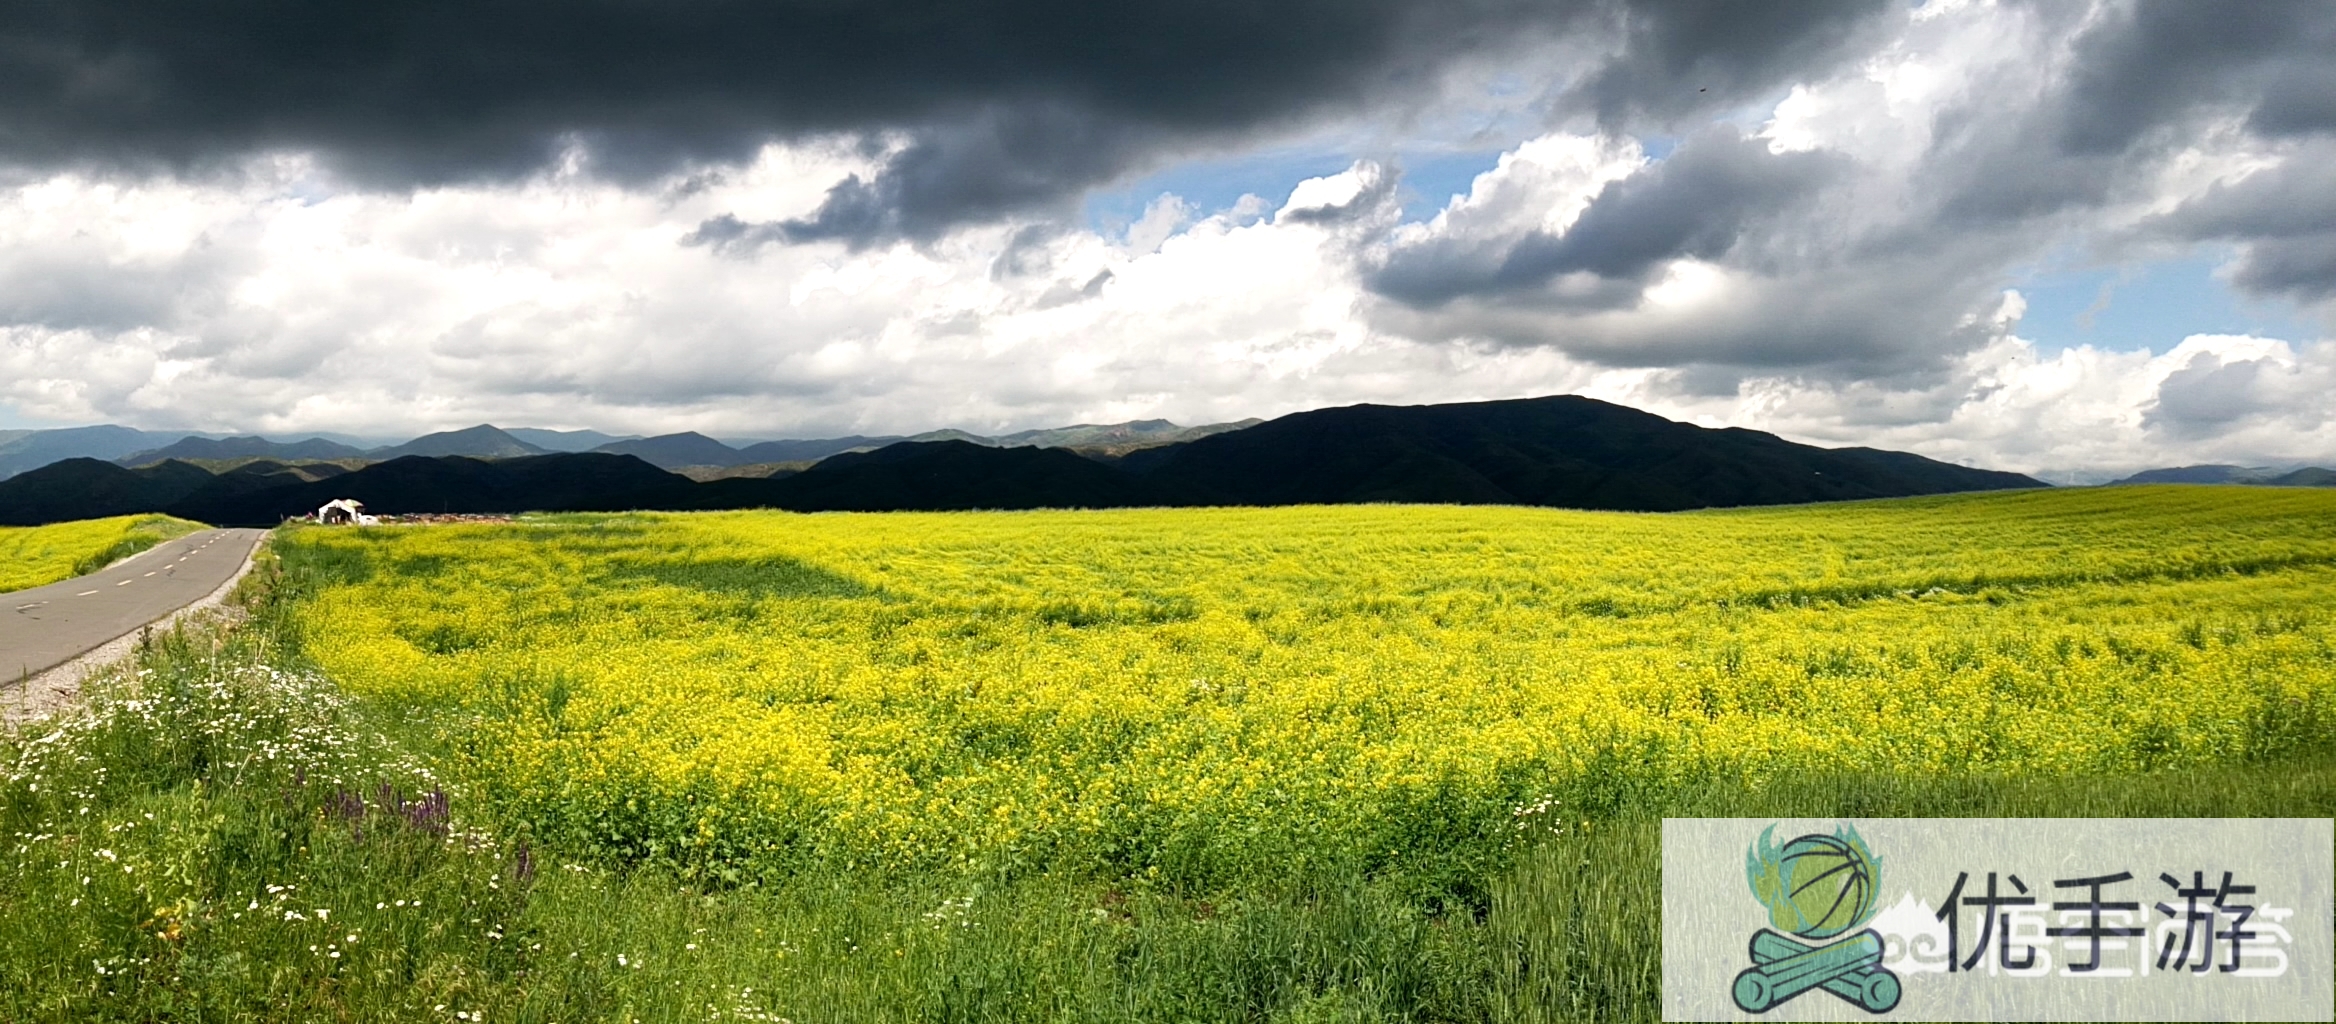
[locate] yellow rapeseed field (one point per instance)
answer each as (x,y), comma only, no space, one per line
(32,556)
(1212,694)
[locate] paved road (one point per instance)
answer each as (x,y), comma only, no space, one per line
(48,626)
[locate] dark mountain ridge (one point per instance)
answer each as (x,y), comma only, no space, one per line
(1560,451)
(931,476)
(455,483)
(94,489)
(811,450)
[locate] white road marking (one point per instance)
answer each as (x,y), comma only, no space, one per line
(152,573)
(85,593)
(125,583)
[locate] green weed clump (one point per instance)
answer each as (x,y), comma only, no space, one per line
(33,556)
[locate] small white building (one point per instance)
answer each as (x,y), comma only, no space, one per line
(345,512)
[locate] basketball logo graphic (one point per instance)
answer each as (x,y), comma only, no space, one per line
(1817,888)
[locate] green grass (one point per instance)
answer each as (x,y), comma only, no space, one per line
(33,556)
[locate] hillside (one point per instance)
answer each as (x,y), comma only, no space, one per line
(94,489)
(562,480)
(1562,451)
(22,450)
(190,448)
(673,451)
(314,469)
(811,450)
(32,449)
(567,440)
(955,475)
(1121,436)
(751,470)
(479,442)
(2308,476)
(1105,439)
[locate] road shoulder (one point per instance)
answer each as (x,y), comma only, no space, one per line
(44,694)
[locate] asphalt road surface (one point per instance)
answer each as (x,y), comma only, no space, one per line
(45,627)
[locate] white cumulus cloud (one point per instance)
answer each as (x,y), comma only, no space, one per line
(1831,265)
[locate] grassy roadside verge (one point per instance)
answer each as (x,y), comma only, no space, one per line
(33,556)
(142,533)
(223,836)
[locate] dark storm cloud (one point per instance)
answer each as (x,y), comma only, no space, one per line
(1697,203)
(1691,58)
(1835,264)
(2304,268)
(2142,80)
(453,89)
(1005,161)
(1010,104)
(2283,218)
(2147,64)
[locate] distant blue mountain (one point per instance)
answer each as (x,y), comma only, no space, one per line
(242,448)
(567,440)
(479,442)
(2307,476)
(31,450)
(673,451)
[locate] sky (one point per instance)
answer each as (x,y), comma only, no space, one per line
(2057,237)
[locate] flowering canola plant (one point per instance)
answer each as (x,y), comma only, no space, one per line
(1213,693)
(33,556)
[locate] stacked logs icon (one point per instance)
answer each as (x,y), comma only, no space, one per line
(1817,888)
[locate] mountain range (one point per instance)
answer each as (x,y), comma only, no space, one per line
(1564,450)
(32,449)
(678,451)
(1559,451)
(22,450)
(195,447)
(2308,476)
(706,458)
